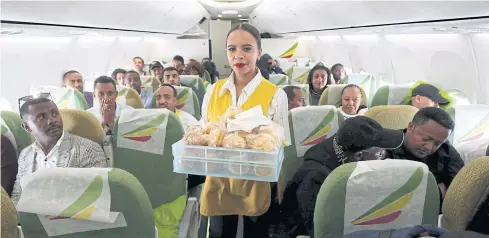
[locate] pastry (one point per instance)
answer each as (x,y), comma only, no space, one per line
(234,140)
(215,138)
(262,141)
(263,172)
(196,138)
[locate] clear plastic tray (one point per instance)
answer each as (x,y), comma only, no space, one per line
(228,163)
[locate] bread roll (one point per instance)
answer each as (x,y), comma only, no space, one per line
(234,140)
(262,141)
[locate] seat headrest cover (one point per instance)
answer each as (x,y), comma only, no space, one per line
(392,116)
(129,97)
(143,130)
(67,98)
(472,123)
(81,194)
(82,123)
(399,197)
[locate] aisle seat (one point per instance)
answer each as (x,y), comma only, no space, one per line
(392,116)
(11,127)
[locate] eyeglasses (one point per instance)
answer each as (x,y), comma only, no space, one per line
(28,98)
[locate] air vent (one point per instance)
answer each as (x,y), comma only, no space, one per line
(9,32)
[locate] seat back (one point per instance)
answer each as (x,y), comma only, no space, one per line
(305,90)
(82,123)
(366,81)
(279,79)
(332,95)
(187,101)
(298,74)
(194,81)
(465,194)
(67,98)
(149,81)
(472,123)
(11,125)
(303,61)
(129,97)
(473,149)
(376,195)
(142,146)
(308,127)
(9,217)
(459,97)
(392,116)
(84,202)
(391,94)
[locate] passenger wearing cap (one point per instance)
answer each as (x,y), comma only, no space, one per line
(132,79)
(426,141)
(427,95)
(157,70)
(358,139)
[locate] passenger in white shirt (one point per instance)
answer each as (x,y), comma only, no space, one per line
(105,107)
(53,146)
(166,97)
(351,98)
(132,79)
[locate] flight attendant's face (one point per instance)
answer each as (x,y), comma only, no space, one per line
(242,52)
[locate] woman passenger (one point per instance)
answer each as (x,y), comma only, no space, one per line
(245,88)
(319,78)
(351,98)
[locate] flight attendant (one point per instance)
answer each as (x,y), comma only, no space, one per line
(245,88)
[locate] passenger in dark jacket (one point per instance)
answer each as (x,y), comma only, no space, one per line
(267,63)
(360,138)
(9,165)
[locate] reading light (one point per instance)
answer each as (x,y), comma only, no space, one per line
(230,12)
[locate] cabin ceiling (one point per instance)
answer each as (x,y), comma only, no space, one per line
(274,16)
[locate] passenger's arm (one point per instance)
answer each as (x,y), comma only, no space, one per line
(9,165)
(279,111)
(307,192)
(205,105)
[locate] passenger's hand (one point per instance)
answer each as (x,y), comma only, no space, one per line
(107,110)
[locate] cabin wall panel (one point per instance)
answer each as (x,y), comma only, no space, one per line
(31,62)
(480,43)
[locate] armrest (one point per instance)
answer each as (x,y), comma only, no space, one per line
(109,150)
(189,225)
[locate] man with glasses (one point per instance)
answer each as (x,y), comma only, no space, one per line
(106,109)
(53,147)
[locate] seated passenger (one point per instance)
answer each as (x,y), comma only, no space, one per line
(351,97)
(338,72)
(106,109)
(9,165)
(172,77)
(138,65)
(359,139)
(427,95)
(157,71)
(269,64)
(118,76)
(178,63)
(166,97)
(132,79)
(73,79)
(193,67)
(53,146)
(318,79)
(425,140)
(295,96)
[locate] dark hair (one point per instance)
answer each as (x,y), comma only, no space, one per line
(289,90)
(69,72)
(264,73)
(104,79)
(351,86)
(436,114)
(137,57)
(311,74)
(250,29)
(170,69)
(171,86)
(194,65)
(118,71)
(179,58)
(133,72)
(336,66)
(487,151)
(24,108)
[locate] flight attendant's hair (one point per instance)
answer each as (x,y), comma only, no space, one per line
(250,29)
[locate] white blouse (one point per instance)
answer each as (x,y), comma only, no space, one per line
(277,111)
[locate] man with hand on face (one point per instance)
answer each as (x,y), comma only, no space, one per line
(106,109)
(166,97)
(358,139)
(425,140)
(132,79)
(73,79)
(53,147)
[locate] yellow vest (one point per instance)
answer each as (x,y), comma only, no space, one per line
(227,196)
(177,112)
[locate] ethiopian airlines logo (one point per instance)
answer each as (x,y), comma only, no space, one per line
(64,102)
(145,132)
(320,132)
(182,98)
(477,131)
(282,81)
(83,207)
(290,52)
(389,209)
